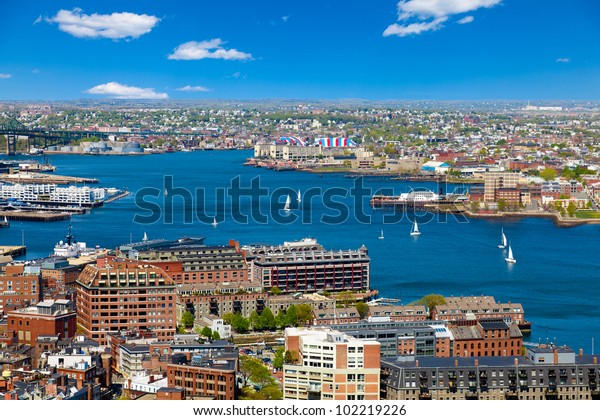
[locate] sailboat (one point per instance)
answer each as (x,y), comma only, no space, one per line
(145,238)
(299,197)
(503,241)
(510,258)
(415,229)
(286,207)
(214,223)
(381,235)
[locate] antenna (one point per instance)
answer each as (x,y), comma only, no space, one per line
(22,235)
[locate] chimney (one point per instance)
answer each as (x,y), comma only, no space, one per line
(555,356)
(516,361)
(595,360)
(476,362)
(456,362)
(581,352)
(416,362)
(89,391)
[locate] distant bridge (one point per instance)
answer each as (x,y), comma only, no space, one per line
(13,129)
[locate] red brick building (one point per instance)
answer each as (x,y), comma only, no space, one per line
(486,338)
(207,379)
(18,288)
(47,318)
(120,295)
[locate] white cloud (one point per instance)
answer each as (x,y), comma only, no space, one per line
(414,28)
(285,18)
(113,26)
(38,20)
(563,60)
(207,49)
(438,8)
(189,88)
(119,91)
(236,75)
(421,11)
(5,76)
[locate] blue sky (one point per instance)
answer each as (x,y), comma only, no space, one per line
(382,49)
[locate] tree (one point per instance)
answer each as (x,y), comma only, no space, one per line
(345,298)
(206,332)
(571,209)
(501,204)
(431,301)
(548,174)
(267,320)
(305,314)
(278,358)
(474,206)
(362,308)
(290,357)
(187,319)
(216,335)
(240,324)
(228,317)
(254,320)
(291,317)
(275,290)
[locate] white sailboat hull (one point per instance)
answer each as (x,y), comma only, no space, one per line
(510,260)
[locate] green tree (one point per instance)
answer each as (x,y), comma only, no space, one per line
(240,324)
(501,204)
(290,357)
(216,335)
(206,332)
(275,290)
(571,209)
(278,358)
(254,320)
(228,317)
(431,301)
(305,313)
(345,298)
(548,174)
(187,319)
(267,320)
(362,308)
(280,319)
(291,317)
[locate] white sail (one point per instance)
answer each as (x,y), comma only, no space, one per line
(381,236)
(299,196)
(214,223)
(145,238)
(503,241)
(510,258)
(415,229)
(286,207)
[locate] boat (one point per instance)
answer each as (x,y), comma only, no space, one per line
(69,247)
(214,223)
(299,196)
(145,238)
(503,241)
(415,229)
(381,235)
(4,223)
(286,207)
(510,258)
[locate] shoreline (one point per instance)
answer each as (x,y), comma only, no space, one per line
(556,217)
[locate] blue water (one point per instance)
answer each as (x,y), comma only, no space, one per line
(556,278)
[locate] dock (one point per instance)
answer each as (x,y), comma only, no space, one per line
(117,196)
(12,251)
(35,216)
(43,178)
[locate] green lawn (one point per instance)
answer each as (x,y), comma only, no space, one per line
(587,214)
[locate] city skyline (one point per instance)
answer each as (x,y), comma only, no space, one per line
(406,50)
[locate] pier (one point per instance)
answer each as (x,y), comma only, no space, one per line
(117,196)
(41,178)
(34,216)
(12,251)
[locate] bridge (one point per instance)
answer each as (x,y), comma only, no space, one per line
(12,129)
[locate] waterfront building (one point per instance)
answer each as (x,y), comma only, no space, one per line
(330,366)
(494,337)
(399,313)
(305,266)
(20,286)
(218,299)
(288,152)
(479,307)
(49,317)
(50,193)
(545,373)
(495,180)
(117,295)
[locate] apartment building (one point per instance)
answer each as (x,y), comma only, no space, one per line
(20,286)
(330,366)
(47,318)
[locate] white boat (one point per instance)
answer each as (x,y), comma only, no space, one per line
(503,241)
(299,196)
(415,229)
(145,238)
(286,207)
(381,236)
(214,223)
(510,258)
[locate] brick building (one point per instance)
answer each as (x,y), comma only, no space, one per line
(205,377)
(486,338)
(47,318)
(117,296)
(19,287)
